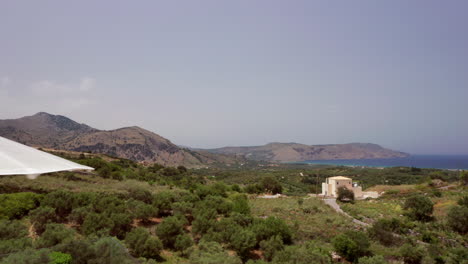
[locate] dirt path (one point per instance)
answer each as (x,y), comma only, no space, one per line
(333,204)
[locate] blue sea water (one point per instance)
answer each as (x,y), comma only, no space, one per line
(452,162)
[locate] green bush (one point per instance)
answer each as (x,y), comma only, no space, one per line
(142,244)
(457,219)
(372,260)
(351,245)
(42,216)
(383,231)
(81,250)
(243,242)
(264,229)
(98,224)
(271,246)
(141,194)
(60,258)
(169,229)
(419,208)
(182,243)
(302,255)
(211,253)
(17,205)
(412,254)
(28,256)
(240,204)
(61,200)
(55,234)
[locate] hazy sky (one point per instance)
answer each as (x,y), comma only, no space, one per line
(216,73)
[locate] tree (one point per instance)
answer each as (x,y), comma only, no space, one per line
(271,185)
(142,244)
(383,230)
(110,250)
(419,208)
(345,195)
(169,229)
(351,245)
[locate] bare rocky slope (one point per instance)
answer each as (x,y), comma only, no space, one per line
(290,152)
(59,132)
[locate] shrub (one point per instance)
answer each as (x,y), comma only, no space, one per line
(419,208)
(78,215)
(351,245)
(272,226)
(242,242)
(457,219)
(60,258)
(141,194)
(169,229)
(412,254)
(142,244)
(41,216)
(182,243)
(110,250)
(80,250)
(61,200)
(29,256)
(98,224)
(383,229)
(12,230)
(302,255)
(55,234)
(372,260)
(205,218)
(345,195)
(240,204)
(163,201)
(17,205)
(463,201)
(212,253)
(271,246)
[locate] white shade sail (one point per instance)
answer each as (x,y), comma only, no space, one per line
(19,159)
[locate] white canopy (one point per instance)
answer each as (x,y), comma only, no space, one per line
(19,159)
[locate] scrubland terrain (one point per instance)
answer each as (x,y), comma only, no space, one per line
(125,212)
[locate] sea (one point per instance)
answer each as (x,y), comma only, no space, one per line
(448,162)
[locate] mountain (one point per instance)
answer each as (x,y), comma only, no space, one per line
(135,143)
(289,152)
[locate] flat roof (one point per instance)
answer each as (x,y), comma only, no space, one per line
(339,178)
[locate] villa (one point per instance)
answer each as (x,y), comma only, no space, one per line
(330,187)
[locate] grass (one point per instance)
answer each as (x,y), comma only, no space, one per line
(369,210)
(308,220)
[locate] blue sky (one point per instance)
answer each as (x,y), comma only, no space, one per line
(217,73)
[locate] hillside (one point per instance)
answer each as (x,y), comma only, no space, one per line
(135,143)
(289,152)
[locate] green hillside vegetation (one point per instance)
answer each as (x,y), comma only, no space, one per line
(125,212)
